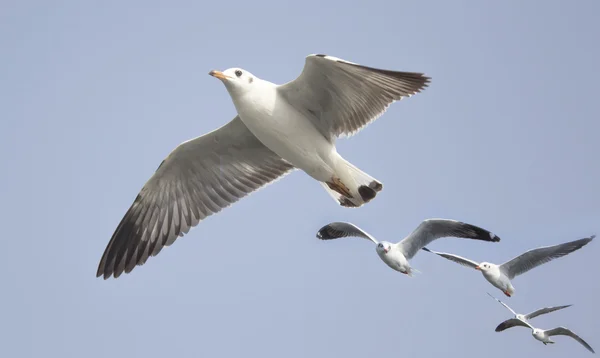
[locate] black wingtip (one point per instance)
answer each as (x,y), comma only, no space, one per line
(425,249)
(328,232)
(483,234)
(322,233)
(366,193)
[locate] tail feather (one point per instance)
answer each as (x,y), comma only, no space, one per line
(361,186)
(415,271)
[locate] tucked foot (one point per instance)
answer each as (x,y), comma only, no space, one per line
(508,294)
(336,185)
(345,202)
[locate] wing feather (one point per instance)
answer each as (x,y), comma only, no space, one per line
(458,259)
(336,230)
(562,331)
(199,178)
(541,255)
(342,97)
(433,229)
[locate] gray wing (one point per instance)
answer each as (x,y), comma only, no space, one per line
(503,304)
(562,331)
(459,260)
(509,323)
(197,179)
(542,255)
(433,229)
(338,230)
(342,97)
(544,310)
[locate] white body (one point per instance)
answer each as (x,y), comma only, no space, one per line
(497,279)
(285,131)
(300,120)
(541,335)
(394,259)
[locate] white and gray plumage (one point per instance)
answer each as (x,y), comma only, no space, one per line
(397,255)
(523,319)
(500,276)
(278,128)
(539,334)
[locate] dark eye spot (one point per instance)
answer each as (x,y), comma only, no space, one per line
(238,73)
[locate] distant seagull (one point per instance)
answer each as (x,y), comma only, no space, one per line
(278,128)
(540,334)
(397,255)
(501,275)
(523,319)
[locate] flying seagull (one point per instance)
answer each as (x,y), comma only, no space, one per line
(397,255)
(278,128)
(537,333)
(523,319)
(501,275)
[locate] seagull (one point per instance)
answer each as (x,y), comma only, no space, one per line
(523,319)
(537,333)
(277,129)
(397,255)
(501,275)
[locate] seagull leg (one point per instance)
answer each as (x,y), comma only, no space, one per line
(508,294)
(347,203)
(336,185)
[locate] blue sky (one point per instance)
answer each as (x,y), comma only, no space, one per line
(95,94)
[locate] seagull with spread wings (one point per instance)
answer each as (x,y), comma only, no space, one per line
(278,128)
(397,255)
(539,334)
(523,319)
(501,275)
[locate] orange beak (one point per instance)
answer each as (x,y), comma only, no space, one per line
(218,74)
(477,268)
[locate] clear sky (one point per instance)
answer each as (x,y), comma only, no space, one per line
(94,94)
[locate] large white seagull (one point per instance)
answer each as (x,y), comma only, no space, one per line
(278,128)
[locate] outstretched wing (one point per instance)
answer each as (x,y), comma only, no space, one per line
(336,230)
(544,310)
(433,229)
(539,256)
(562,331)
(503,304)
(458,259)
(197,179)
(513,322)
(341,97)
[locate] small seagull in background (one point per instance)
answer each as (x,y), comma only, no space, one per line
(523,319)
(397,255)
(537,333)
(501,275)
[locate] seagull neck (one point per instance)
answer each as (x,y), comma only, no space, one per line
(259,101)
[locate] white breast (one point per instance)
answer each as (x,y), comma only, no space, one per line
(286,132)
(395,260)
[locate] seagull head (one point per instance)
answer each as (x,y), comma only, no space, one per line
(235,79)
(484,266)
(384,247)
